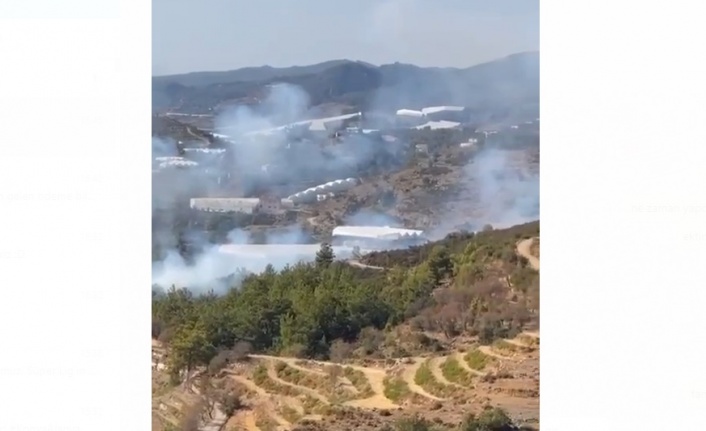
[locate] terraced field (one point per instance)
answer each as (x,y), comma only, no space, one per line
(282,392)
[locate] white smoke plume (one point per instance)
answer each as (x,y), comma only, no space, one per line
(494,190)
(280,161)
(212,267)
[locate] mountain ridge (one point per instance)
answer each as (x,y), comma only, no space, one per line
(504,82)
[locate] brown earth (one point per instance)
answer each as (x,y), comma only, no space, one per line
(419,196)
(516,390)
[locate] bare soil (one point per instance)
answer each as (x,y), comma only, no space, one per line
(516,390)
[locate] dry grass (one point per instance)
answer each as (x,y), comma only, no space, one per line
(396,389)
(425,378)
(359,381)
(528,341)
(477,359)
(454,372)
(309,403)
(312,405)
(505,348)
(290,414)
(264,381)
(265,422)
(327,385)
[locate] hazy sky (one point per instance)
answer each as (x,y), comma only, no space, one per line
(200,35)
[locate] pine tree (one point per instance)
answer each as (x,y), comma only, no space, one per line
(325,255)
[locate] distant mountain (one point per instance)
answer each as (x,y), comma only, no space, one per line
(247,74)
(508,83)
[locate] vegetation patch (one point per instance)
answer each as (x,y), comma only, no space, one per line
(454,372)
(294,307)
(528,341)
(396,389)
(264,381)
(477,359)
(425,378)
(311,405)
(265,423)
(328,385)
(522,392)
(290,414)
(359,381)
(505,348)
(489,419)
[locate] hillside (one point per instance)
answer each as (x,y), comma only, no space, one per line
(199,79)
(442,335)
(507,84)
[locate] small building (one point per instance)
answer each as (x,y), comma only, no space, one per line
(448,113)
(178,164)
(205,150)
(270,205)
(437,109)
(422,148)
(408,118)
(266,205)
(409,113)
(375,237)
(226,205)
(435,125)
(466,145)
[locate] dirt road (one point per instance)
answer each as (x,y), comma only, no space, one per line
(488,351)
(435,367)
(462,361)
(375,378)
(292,362)
(524,250)
(272,374)
(518,343)
(379,400)
(408,377)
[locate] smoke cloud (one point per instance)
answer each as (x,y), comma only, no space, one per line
(495,189)
(367,217)
(263,157)
(266,157)
(219,267)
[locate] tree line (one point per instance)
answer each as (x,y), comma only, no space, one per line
(451,286)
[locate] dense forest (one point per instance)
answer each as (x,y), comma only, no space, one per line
(467,283)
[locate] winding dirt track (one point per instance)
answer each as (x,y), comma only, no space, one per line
(247,418)
(524,249)
(518,343)
(462,362)
(408,377)
(489,352)
(292,362)
(375,377)
(249,384)
(272,374)
(379,400)
(435,367)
